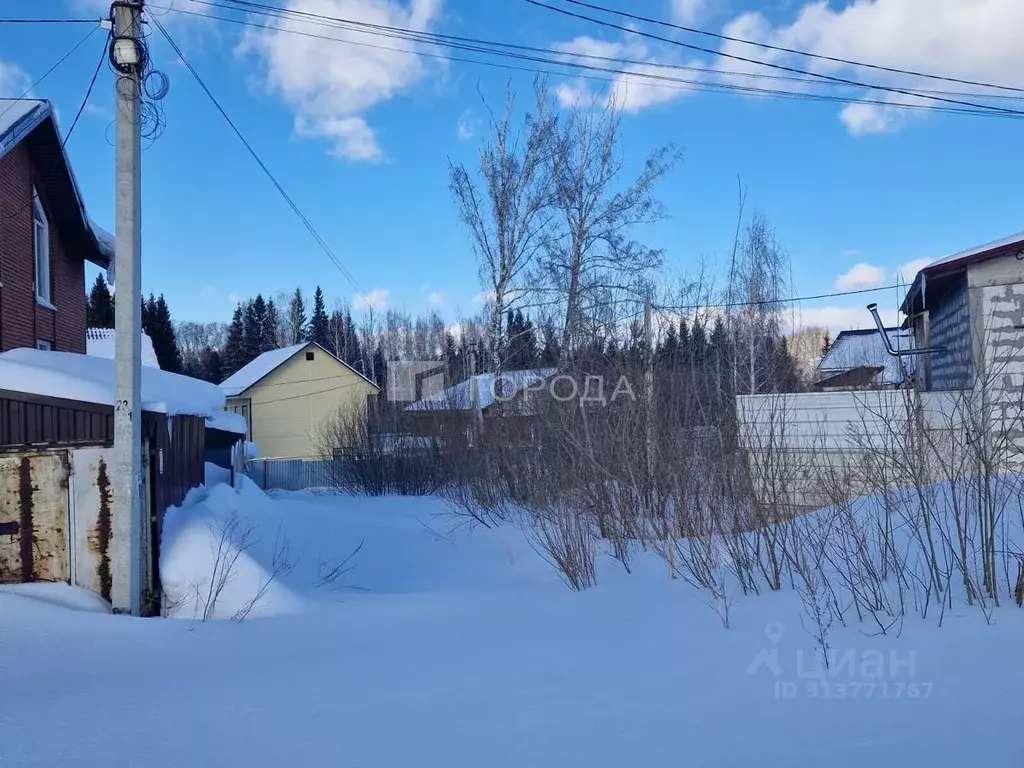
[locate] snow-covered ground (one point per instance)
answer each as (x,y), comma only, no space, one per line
(462,648)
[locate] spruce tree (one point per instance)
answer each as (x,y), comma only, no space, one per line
(234,348)
(550,350)
(319,330)
(826,343)
(253,323)
(99,312)
(148,314)
(698,343)
(165,343)
(452,359)
(351,352)
(211,366)
(268,336)
(297,317)
(667,354)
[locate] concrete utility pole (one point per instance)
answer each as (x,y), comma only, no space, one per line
(127,524)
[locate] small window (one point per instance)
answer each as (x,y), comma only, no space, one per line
(309,355)
(43,344)
(41,236)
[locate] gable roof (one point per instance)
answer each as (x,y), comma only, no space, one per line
(458,397)
(960,260)
(33,121)
(257,369)
(99,342)
(865,349)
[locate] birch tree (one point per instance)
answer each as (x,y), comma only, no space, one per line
(506,205)
(594,257)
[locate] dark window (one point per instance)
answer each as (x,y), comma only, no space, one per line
(309,355)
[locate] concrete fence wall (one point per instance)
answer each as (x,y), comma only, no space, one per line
(810,449)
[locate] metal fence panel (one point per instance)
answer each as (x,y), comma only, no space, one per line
(290,474)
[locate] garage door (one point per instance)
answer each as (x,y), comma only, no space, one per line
(33,517)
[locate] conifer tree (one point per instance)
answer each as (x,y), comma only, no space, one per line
(319,324)
(99,312)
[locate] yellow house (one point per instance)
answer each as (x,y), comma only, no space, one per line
(286,395)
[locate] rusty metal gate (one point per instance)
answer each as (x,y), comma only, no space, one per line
(34,517)
(94,543)
(92,509)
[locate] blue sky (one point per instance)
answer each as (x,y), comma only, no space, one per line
(362,144)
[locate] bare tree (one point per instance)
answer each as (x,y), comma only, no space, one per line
(194,338)
(507,210)
(758,277)
(593,257)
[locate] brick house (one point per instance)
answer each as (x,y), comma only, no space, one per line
(45,234)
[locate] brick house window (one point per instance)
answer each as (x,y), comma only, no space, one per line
(43,344)
(41,232)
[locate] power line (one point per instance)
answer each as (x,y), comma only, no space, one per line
(772,65)
(50,21)
(47,73)
(263,166)
(48,178)
(475,44)
(764,302)
(783,49)
(663,81)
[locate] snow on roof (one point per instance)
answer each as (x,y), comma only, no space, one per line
(995,245)
(227,422)
(489,387)
(91,379)
(106,244)
(245,377)
(961,259)
(99,342)
(854,349)
(18,118)
(249,374)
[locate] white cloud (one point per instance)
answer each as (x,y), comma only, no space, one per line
(354,139)
(234,299)
(865,119)
(330,86)
(435,298)
(467,126)
(975,39)
(862,275)
(688,12)
(483,297)
(628,91)
(14,81)
(377,299)
(836,319)
(850,252)
(907,272)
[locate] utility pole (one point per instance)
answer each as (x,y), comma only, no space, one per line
(127,523)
